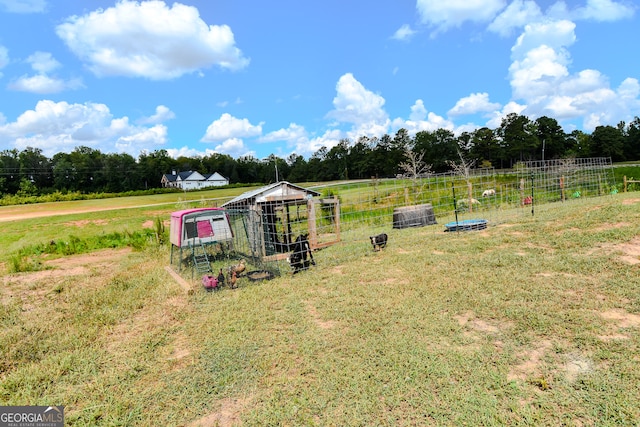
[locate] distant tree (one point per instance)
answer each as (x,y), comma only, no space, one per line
(386,157)
(274,168)
(89,169)
(337,162)
(578,144)
(120,171)
(438,148)
(518,135)
(151,167)
(360,159)
(607,141)
(249,169)
(485,147)
(552,141)
(632,140)
(184,164)
(9,172)
(224,164)
(36,168)
(64,173)
(317,165)
(299,170)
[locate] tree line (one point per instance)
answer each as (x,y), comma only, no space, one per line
(518,138)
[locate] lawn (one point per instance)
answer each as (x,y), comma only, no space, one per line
(535,321)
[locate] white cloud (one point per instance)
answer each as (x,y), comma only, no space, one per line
(43,84)
(23,6)
(403,33)
(555,34)
(453,13)
(356,105)
(149,39)
(421,120)
(538,74)
(291,135)
(497,116)
(522,12)
(4,57)
(61,127)
(603,10)
(43,62)
(138,138)
(227,127)
(329,139)
(162,114)
(629,89)
(234,147)
(541,78)
(516,15)
(185,151)
(418,111)
(298,140)
(472,104)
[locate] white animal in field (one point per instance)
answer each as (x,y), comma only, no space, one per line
(490,192)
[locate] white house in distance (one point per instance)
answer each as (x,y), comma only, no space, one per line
(192,180)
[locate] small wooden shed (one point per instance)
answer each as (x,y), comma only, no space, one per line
(274,215)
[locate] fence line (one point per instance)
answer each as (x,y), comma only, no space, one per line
(367,207)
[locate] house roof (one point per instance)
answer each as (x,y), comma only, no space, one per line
(280,191)
(215,177)
(192,176)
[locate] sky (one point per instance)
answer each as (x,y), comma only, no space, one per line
(250,78)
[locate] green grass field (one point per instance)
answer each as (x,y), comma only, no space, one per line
(535,321)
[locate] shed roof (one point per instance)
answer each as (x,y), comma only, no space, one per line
(278,191)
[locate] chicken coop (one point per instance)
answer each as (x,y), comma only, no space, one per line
(196,233)
(267,220)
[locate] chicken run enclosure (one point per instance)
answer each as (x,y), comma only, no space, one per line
(343,215)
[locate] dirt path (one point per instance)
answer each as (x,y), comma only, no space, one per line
(20,212)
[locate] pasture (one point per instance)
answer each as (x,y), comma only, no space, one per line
(533,321)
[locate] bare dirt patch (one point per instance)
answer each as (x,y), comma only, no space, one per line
(609,226)
(59,269)
(475,328)
(322,324)
(84,222)
(622,318)
(530,362)
(152,224)
(629,251)
(228,414)
(30,289)
(468,320)
(337,270)
(630,201)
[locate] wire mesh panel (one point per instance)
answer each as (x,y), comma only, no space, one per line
(353,211)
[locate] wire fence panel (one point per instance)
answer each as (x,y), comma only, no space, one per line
(353,211)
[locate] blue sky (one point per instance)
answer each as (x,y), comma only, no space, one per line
(243,77)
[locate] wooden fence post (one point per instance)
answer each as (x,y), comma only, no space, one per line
(311,223)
